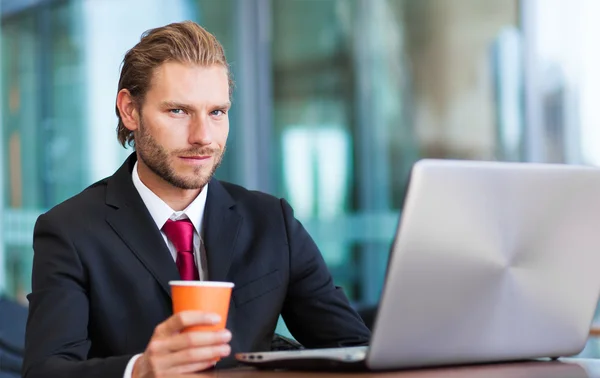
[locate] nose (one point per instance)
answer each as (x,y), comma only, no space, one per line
(200,132)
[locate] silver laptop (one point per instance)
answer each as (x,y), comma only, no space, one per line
(491,262)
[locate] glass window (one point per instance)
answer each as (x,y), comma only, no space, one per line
(357,91)
(42,118)
(362,89)
(60,67)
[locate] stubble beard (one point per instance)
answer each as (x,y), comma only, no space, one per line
(157,159)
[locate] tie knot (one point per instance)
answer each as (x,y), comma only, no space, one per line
(181,234)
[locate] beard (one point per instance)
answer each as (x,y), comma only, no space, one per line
(157,159)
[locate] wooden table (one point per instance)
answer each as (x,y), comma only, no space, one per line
(565,368)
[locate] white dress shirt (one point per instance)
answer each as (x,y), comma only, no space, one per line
(160,213)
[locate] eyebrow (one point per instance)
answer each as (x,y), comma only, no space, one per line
(225,105)
(179,105)
(175,105)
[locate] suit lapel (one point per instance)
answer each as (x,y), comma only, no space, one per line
(131,220)
(221,228)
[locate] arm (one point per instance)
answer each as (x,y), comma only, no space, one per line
(56,340)
(316,312)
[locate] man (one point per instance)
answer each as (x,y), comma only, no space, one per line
(100,304)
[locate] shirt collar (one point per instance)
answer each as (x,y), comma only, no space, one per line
(161,212)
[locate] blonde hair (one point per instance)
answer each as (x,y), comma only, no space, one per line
(184,42)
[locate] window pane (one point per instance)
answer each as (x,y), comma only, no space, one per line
(362,89)
(60,69)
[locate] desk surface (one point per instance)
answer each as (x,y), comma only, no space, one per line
(566,368)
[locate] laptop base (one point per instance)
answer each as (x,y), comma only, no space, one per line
(334,359)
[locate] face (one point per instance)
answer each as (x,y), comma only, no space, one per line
(183,124)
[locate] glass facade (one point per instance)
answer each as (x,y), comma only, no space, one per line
(362,89)
(335,100)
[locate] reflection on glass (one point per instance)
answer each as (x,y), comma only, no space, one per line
(361,89)
(315,166)
(397,80)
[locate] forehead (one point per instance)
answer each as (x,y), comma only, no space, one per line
(189,83)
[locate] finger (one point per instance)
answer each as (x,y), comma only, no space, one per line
(199,375)
(196,355)
(167,362)
(193,368)
(185,319)
(188,340)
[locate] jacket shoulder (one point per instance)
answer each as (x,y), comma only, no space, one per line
(252,199)
(239,193)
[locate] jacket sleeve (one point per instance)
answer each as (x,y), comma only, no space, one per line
(56,340)
(316,312)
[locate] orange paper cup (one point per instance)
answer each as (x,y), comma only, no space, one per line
(205,296)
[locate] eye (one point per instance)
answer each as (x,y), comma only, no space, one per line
(218,112)
(177,111)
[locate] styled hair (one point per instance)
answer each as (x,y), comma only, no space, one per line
(184,42)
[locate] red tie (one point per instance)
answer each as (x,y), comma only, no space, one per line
(181,234)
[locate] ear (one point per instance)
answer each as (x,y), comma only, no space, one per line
(128,110)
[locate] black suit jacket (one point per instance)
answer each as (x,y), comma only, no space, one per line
(101,270)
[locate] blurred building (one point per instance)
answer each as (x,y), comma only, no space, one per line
(335,100)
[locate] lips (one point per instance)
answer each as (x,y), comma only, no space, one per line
(196,157)
(197,160)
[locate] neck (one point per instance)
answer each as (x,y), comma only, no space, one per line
(177,198)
